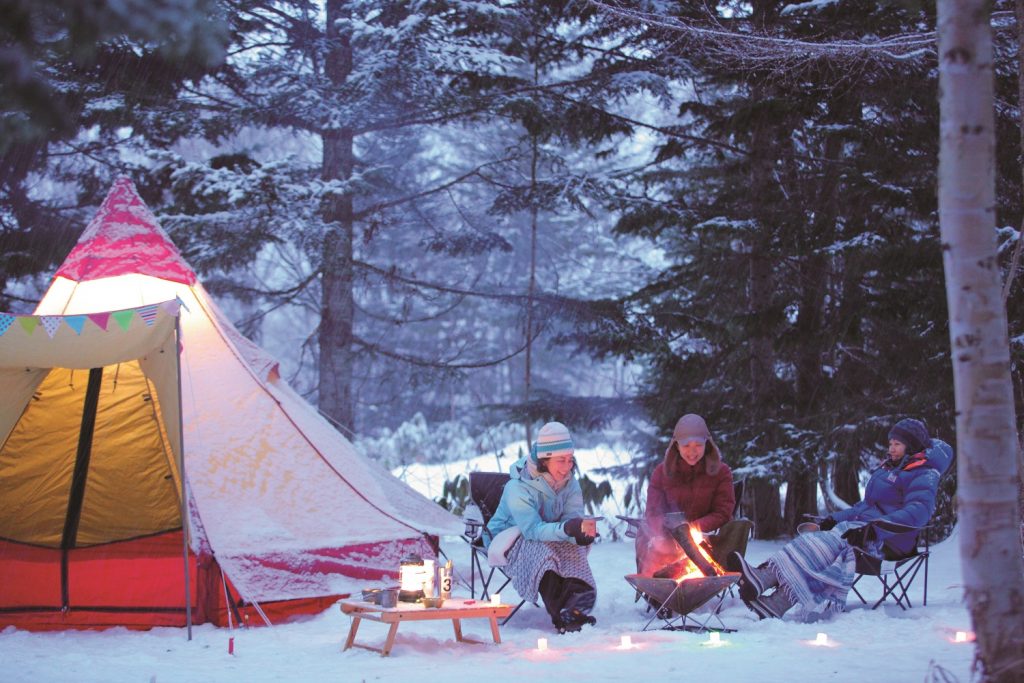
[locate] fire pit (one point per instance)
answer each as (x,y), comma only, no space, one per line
(684,596)
(691,582)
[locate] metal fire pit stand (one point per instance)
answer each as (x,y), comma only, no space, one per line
(680,599)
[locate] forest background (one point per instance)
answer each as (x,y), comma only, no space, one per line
(452,221)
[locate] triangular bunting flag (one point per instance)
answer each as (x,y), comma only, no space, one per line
(50,324)
(101,320)
(76,322)
(5,321)
(148,314)
(124,318)
(28,323)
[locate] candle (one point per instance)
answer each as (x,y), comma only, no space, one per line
(627,642)
(821,639)
(496,599)
(961,636)
(542,644)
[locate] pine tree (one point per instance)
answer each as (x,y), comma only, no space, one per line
(802,312)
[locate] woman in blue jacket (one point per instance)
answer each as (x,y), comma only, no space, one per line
(542,505)
(816,570)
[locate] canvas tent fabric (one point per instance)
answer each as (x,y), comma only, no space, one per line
(88,463)
(279,500)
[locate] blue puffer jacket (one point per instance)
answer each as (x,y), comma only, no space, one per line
(902,492)
(533,506)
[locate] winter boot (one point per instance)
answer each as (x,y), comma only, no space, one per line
(573,620)
(776,604)
(753,580)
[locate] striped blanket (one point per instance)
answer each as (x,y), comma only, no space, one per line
(816,570)
(528,560)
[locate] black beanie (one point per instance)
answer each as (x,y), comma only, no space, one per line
(911,432)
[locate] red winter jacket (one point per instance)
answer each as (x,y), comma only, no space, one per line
(706,499)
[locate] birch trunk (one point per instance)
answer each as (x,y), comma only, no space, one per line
(989,512)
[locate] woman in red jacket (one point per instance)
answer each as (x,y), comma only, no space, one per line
(694,481)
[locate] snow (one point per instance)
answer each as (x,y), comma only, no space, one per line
(863,645)
(887,644)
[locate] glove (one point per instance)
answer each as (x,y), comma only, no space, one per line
(574,528)
(827,523)
(859,536)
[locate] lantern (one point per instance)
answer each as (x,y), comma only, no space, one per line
(410,578)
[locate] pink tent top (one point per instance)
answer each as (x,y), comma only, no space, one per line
(124,238)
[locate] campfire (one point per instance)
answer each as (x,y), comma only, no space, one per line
(696,560)
(689,582)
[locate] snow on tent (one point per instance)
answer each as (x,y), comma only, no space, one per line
(284,514)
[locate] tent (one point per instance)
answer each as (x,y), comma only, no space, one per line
(283,515)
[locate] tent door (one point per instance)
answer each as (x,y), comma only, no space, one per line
(78,479)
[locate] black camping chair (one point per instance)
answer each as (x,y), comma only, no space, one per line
(896,573)
(485,489)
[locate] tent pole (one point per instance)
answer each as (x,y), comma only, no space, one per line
(181,473)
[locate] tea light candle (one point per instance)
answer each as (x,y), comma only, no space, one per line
(496,599)
(960,637)
(821,639)
(715,638)
(542,644)
(627,642)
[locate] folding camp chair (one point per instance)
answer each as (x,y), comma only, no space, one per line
(485,489)
(896,574)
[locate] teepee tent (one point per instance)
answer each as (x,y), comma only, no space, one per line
(285,514)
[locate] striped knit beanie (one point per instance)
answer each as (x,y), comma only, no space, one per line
(552,439)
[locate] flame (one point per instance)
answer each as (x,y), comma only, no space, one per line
(691,570)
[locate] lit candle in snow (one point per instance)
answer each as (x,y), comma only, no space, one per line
(821,639)
(496,599)
(961,637)
(542,644)
(715,638)
(627,642)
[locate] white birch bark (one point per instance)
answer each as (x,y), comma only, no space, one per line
(989,513)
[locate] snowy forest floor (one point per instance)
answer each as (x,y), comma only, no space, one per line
(887,644)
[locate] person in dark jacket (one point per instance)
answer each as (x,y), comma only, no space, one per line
(815,570)
(691,484)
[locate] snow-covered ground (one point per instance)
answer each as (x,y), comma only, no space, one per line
(887,644)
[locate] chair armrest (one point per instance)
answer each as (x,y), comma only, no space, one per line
(894,527)
(632,524)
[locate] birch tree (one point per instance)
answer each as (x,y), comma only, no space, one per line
(986,436)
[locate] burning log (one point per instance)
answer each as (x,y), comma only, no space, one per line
(684,538)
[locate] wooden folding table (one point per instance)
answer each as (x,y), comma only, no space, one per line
(454,609)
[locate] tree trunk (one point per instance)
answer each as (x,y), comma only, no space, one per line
(765,503)
(767,515)
(986,435)
(531,289)
(337,302)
